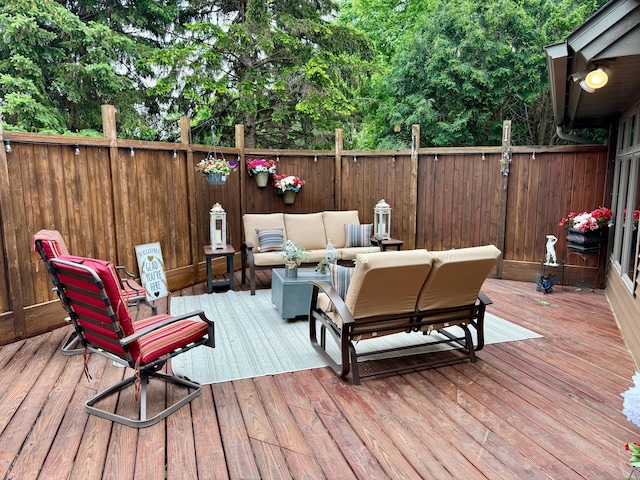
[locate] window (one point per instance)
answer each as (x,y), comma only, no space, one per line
(626,201)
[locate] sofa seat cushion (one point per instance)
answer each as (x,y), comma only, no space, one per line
(358,235)
(306,230)
(268,258)
(275,258)
(258,221)
(350,253)
(334,222)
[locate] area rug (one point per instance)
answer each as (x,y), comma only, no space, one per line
(252,340)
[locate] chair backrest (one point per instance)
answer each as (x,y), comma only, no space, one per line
(456,277)
(385,283)
(49,244)
(90,290)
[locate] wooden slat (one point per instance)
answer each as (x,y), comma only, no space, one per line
(548,407)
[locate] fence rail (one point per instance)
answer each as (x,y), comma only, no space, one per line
(107,195)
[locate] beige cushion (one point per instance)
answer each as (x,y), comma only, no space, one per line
(334,222)
(351,252)
(387,282)
(275,258)
(253,221)
(457,276)
(306,230)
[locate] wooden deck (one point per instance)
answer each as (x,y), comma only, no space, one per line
(538,409)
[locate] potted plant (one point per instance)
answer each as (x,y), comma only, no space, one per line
(215,170)
(586,227)
(293,256)
(287,186)
(261,169)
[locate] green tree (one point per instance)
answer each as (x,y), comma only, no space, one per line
(56,71)
(460,67)
(281,68)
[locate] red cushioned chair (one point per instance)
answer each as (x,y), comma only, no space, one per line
(90,291)
(50,244)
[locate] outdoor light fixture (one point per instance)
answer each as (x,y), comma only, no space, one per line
(597,78)
(7,146)
(218,227)
(77,147)
(591,81)
(382,220)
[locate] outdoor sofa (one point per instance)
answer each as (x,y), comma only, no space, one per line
(412,292)
(266,232)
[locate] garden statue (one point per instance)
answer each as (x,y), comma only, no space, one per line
(551,259)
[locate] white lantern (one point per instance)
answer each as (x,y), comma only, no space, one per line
(218,227)
(382,220)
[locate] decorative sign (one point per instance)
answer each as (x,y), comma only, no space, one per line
(151,268)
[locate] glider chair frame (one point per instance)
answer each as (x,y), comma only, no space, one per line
(90,292)
(50,244)
(408,292)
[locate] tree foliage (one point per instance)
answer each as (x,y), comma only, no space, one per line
(281,68)
(56,70)
(290,71)
(460,67)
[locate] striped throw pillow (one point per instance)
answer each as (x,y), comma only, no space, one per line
(271,239)
(358,235)
(340,278)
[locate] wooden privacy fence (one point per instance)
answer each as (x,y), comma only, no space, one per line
(107,195)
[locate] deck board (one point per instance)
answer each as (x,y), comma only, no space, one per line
(534,409)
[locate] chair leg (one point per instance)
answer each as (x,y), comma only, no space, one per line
(143,421)
(70,344)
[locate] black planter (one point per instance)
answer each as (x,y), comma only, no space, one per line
(590,238)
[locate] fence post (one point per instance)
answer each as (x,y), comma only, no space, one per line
(242,171)
(185,139)
(337,202)
(119,185)
(9,232)
(505,161)
(413,194)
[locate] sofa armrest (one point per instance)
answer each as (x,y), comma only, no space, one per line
(168,321)
(484,299)
(479,325)
(335,300)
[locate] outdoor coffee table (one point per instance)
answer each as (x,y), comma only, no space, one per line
(292,296)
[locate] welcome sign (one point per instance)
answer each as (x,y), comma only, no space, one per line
(151,268)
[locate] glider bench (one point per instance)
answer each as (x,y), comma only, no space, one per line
(413,292)
(266,232)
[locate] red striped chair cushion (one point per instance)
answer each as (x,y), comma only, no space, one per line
(131,288)
(98,326)
(168,338)
(51,249)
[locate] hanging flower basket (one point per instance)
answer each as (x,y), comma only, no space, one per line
(287,186)
(262,178)
(289,197)
(261,169)
(216,178)
(215,170)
